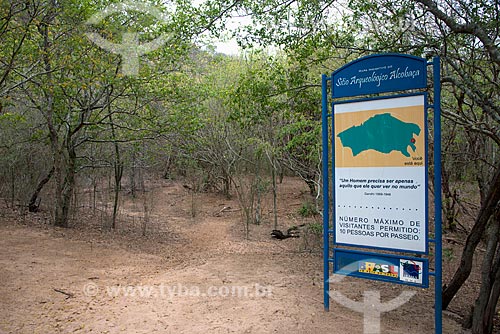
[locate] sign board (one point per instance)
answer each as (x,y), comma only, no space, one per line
(380,161)
(379,174)
(382,267)
(376,74)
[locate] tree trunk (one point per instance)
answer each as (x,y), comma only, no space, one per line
(118,180)
(226,179)
(449,210)
(33,206)
(59,181)
(258,189)
(246,197)
(168,167)
(133,187)
(487,209)
(275,197)
(495,295)
(312,186)
(67,186)
(12,187)
(49,111)
(480,323)
(118,169)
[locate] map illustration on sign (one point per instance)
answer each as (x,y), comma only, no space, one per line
(382,136)
(383,133)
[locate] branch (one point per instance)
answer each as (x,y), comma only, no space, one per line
(67,294)
(485,103)
(466,28)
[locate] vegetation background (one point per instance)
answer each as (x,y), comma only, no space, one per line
(76,132)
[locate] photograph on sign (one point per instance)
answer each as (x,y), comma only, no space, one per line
(380,173)
(410,271)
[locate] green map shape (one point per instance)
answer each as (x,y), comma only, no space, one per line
(383,133)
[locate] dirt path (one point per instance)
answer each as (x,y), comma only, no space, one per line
(208,280)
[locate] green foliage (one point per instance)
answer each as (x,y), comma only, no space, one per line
(9,119)
(448,254)
(308,209)
(315,228)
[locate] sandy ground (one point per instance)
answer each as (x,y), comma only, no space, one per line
(198,275)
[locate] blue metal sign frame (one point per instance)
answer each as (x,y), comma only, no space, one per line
(382,73)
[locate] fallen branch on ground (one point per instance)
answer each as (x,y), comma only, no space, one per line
(67,294)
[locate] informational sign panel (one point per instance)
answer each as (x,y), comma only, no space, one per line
(380,173)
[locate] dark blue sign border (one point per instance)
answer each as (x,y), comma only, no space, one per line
(379,73)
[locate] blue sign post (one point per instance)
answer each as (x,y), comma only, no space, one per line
(380,172)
